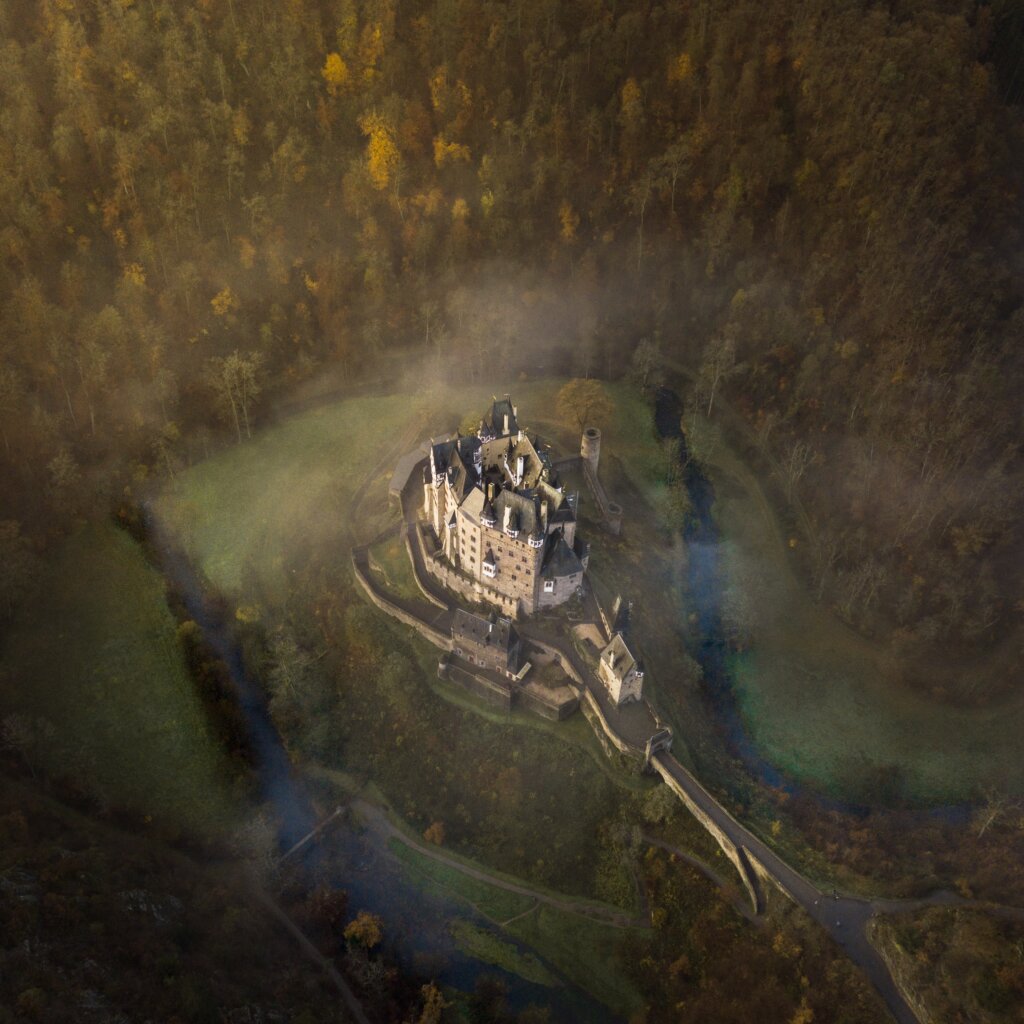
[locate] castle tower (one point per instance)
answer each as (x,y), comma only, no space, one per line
(590,447)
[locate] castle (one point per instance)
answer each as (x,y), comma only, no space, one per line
(506,525)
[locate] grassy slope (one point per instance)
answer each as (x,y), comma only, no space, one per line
(584,950)
(257,506)
(813,693)
(95,653)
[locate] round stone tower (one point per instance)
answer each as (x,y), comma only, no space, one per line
(590,447)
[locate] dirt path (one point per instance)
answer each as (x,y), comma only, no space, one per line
(377,821)
(352,1004)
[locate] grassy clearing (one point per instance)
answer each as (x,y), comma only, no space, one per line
(588,954)
(96,655)
(396,570)
(483,945)
(584,950)
(250,512)
(813,693)
(493,902)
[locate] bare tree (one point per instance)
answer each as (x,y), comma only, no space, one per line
(793,465)
(235,381)
(719,363)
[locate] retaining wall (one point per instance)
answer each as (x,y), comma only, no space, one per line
(424,590)
(479,686)
(435,636)
(542,705)
(585,697)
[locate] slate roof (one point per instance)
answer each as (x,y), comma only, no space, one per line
(497,632)
(559,558)
(624,657)
(524,511)
(494,418)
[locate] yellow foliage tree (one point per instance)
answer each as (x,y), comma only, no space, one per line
(584,402)
(135,274)
(382,154)
(570,220)
(433,1005)
(681,68)
(366,930)
(449,152)
(335,73)
(631,116)
(224,302)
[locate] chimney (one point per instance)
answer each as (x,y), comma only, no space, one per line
(505,431)
(520,462)
(611,659)
(508,516)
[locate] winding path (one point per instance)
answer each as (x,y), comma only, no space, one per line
(377,821)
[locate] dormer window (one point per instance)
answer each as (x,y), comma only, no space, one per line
(549,586)
(490,566)
(511,522)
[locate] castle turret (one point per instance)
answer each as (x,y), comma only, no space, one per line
(590,447)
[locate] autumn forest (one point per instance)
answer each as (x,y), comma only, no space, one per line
(802,216)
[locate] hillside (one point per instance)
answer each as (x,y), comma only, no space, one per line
(812,207)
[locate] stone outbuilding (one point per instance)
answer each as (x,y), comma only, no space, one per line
(489,642)
(621,671)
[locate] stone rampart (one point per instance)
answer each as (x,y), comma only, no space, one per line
(586,698)
(435,636)
(420,583)
(480,686)
(533,698)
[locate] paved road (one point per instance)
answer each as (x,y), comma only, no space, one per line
(844,918)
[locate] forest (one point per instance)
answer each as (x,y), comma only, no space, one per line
(810,209)
(803,216)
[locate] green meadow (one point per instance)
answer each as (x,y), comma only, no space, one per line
(814,694)
(93,662)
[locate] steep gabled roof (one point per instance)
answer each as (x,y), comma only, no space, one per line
(623,659)
(494,418)
(523,509)
(559,558)
(495,631)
